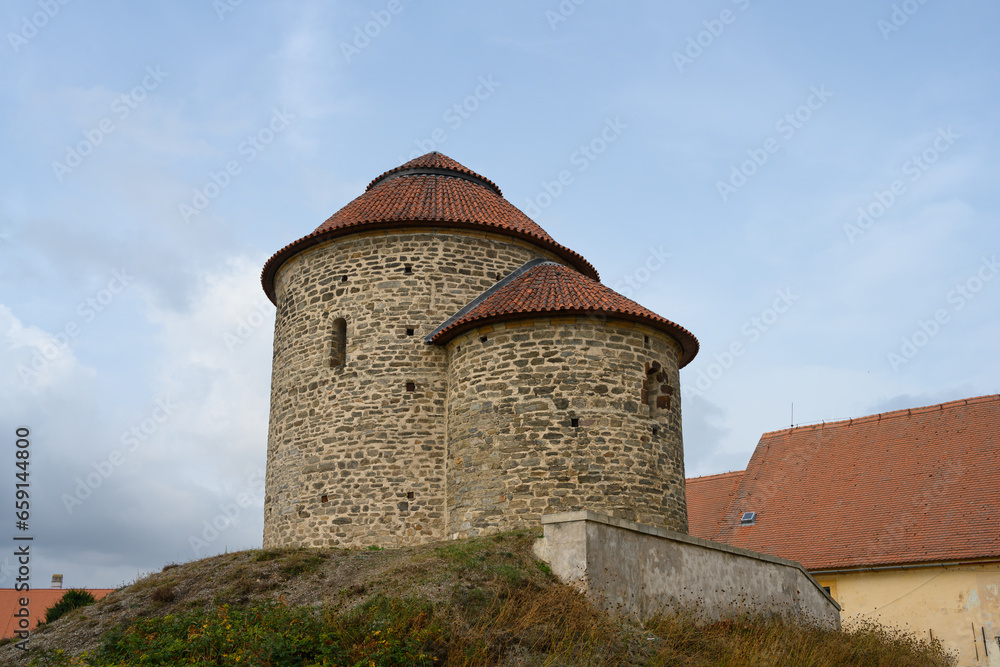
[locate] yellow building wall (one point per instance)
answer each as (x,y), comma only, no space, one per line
(950,601)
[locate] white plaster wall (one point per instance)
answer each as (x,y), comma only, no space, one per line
(641,570)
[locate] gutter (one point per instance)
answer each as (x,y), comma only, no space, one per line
(914,566)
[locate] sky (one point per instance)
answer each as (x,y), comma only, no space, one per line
(810,188)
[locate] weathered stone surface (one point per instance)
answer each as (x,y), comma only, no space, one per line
(368,429)
(520,453)
(378,438)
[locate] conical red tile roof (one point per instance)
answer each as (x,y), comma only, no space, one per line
(549,289)
(432,189)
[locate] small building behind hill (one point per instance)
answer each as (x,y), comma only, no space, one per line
(897,515)
(39,600)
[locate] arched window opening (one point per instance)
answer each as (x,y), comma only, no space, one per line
(338,356)
(657,390)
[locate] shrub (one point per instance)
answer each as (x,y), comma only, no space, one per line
(164,594)
(72,599)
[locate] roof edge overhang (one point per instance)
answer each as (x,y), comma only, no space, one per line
(689,344)
(278,259)
(986,560)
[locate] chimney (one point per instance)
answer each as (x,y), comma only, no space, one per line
(56,581)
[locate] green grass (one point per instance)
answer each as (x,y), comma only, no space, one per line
(494,604)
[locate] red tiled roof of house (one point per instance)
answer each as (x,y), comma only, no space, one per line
(551,289)
(430,190)
(708,499)
(908,486)
(40,600)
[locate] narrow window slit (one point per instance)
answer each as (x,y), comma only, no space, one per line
(338,355)
(574,422)
(411,386)
(409,495)
(323,499)
(407,269)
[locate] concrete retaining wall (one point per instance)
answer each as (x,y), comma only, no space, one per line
(642,570)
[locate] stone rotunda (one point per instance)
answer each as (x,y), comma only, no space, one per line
(444,368)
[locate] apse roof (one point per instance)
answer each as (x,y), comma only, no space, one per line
(546,289)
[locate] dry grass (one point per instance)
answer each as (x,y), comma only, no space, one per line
(485,601)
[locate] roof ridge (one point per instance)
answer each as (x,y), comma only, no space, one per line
(892,414)
(714,476)
(439,164)
(496,287)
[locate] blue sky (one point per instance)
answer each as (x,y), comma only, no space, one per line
(809,188)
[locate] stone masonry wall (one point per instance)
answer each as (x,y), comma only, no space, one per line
(356,449)
(514,449)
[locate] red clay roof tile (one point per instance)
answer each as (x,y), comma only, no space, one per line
(908,486)
(430,189)
(708,500)
(553,289)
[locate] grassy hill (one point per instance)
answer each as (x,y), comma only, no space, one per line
(485,601)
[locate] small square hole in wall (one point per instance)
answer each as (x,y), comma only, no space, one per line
(411,386)
(409,332)
(574,422)
(483,339)
(343,279)
(656,431)
(409,495)
(499,277)
(323,499)
(407,269)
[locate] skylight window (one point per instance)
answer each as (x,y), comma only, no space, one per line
(748,518)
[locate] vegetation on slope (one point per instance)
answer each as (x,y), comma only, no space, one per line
(484,601)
